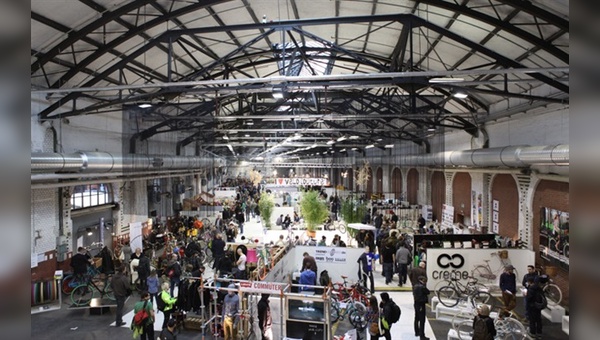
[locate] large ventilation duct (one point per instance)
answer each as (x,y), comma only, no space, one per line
(103,162)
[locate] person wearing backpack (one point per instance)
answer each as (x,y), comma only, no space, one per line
(166,303)
(174,273)
(391,314)
(143,319)
(483,325)
(535,302)
(169,333)
(421,297)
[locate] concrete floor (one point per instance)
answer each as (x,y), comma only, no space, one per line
(78,324)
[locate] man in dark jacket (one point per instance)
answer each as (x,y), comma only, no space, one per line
(508,286)
(533,300)
(415,273)
(143,270)
(121,289)
(264,318)
(309,263)
(387,257)
(421,297)
(218,249)
(241,218)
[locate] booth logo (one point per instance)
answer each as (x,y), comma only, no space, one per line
(455,261)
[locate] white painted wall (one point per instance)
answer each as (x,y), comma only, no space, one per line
(44,218)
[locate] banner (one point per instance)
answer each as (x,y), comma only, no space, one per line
(447,216)
(554,235)
(330,254)
(262,287)
(135,235)
(299,181)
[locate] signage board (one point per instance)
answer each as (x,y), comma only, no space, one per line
(299,181)
(262,287)
(330,255)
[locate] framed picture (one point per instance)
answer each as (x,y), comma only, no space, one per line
(495,227)
(495,216)
(495,205)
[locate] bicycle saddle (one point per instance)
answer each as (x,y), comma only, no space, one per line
(344,277)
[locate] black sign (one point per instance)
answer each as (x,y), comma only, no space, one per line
(305,330)
(455,261)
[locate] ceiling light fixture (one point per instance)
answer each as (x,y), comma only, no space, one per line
(246,135)
(445,80)
(343,150)
(379,139)
(278,95)
(225,137)
(431,129)
(341,139)
(389,146)
(330,142)
(370,146)
(460,95)
(249,122)
(354,137)
(144,105)
(354,149)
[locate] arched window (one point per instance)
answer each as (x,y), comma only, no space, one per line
(90,195)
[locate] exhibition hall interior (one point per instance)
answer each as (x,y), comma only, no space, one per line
(295,169)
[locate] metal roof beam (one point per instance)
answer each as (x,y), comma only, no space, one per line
(527,6)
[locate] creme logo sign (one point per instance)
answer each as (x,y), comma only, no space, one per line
(446,261)
(455,261)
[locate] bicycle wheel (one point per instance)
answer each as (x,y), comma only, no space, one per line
(66,284)
(512,329)
(342,228)
(553,294)
(480,298)
(82,295)
(448,296)
(460,317)
(357,319)
(205,223)
(334,312)
(441,284)
(465,330)
(207,256)
(566,250)
(482,273)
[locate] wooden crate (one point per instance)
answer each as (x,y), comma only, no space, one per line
(192,322)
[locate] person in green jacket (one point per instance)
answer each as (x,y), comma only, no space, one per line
(169,302)
(146,331)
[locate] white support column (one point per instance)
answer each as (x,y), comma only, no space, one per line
(449,178)
(526,191)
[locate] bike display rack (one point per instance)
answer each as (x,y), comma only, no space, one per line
(554,313)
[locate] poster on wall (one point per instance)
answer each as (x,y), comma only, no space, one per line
(495,216)
(474,212)
(427,212)
(495,227)
(554,235)
(330,255)
(447,217)
(135,235)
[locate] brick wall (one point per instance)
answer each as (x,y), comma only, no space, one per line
(412,186)
(553,195)
(504,190)
(438,194)
(379,181)
(461,195)
(397,182)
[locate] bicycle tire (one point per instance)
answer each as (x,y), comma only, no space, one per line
(261,268)
(65,284)
(358,320)
(480,298)
(82,295)
(441,284)
(342,228)
(108,291)
(464,331)
(459,318)
(448,296)
(207,257)
(334,312)
(482,273)
(205,222)
(566,250)
(512,329)
(553,294)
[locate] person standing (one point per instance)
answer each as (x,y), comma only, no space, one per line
(421,297)
(169,332)
(421,223)
(388,257)
(80,263)
(174,273)
(147,329)
(241,218)
(416,272)
(527,278)
(508,286)
(218,249)
(264,318)
(309,278)
(365,268)
(143,270)
(241,264)
(121,289)
(231,305)
(126,250)
(483,325)
(372,318)
(169,301)
(402,260)
(153,285)
(386,311)
(534,305)
(308,262)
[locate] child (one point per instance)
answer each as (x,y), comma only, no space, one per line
(152,284)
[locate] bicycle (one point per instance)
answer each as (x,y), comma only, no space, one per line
(71,281)
(335,225)
(263,263)
(486,273)
(471,285)
(552,291)
(506,328)
(449,296)
(84,293)
(355,310)
(357,291)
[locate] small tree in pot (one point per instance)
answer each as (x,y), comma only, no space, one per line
(265,207)
(353,211)
(314,211)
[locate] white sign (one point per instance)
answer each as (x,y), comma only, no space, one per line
(299,181)
(462,263)
(262,287)
(447,216)
(34,261)
(135,235)
(330,254)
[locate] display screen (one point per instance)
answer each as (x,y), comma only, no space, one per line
(554,235)
(306,310)
(305,330)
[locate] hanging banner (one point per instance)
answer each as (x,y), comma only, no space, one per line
(135,235)
(330,255)
(298,181)
(447,216)
(262,287)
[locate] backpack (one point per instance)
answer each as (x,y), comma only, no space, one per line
(392,312)
(324,279)
(160,303)
(140,318)
(480,329)
(542,302)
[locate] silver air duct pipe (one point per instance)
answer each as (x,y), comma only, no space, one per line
(103,162)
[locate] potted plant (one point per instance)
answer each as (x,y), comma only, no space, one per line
(313,210)
(353,211)
(265,207)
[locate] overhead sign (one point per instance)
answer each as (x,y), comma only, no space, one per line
(447,216)
(330,254)
(262,287)
(300,181)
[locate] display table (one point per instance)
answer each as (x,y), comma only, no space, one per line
(565,324)
(97,308)
(554,313)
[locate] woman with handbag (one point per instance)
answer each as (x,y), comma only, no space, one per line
(373,318)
